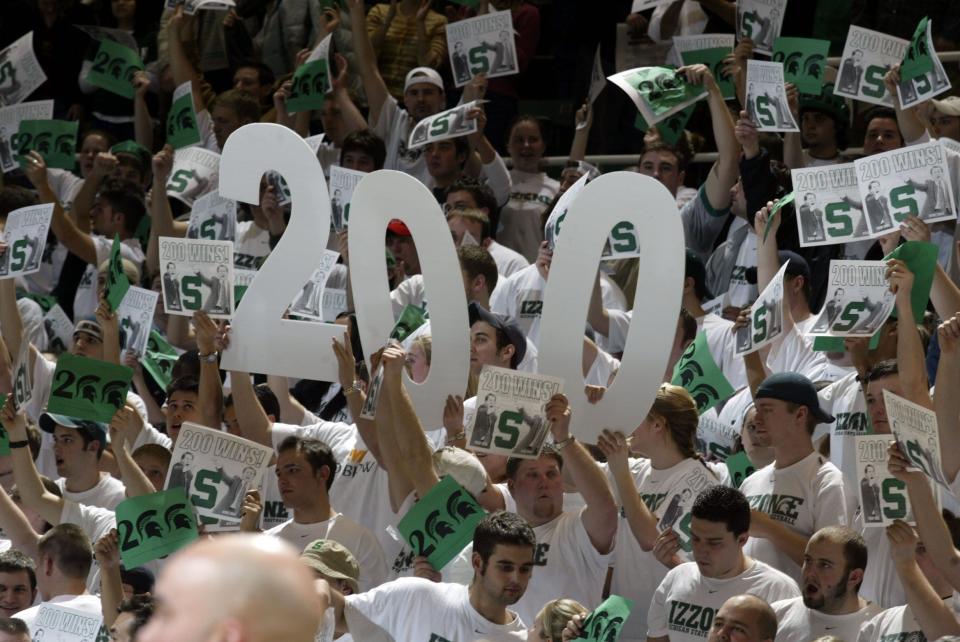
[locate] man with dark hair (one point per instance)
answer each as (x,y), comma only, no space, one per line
(78,446)
(183,396)
(745,618)
(133,614)
(14,630)
(824,120)
(255,78)
(413,608)
(719,529)
(480,274)
(363,151)
(882,132)
(305,472)
(18,582)
(833,565)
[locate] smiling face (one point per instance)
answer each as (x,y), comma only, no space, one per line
(526,146)
(15,592)
(417,365)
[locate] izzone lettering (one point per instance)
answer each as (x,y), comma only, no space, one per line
(263,341)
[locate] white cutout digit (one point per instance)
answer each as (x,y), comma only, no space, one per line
(378,198)
(604,202)
(261,340)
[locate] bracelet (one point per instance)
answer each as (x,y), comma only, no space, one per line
(457,437)
(563,443)
(208,358)
(352,388)
(19,444)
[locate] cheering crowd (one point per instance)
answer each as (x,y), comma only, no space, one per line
(807,544)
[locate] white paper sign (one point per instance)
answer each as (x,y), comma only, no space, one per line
(767,104)
(216,469)
(190,7)
(196,276)
(883,497)
(20,71)
(859,300)
(716,439)
(913,180)
(25,234)
(760,20)
(510,418)
(195,172)
(674,511)
(22,379)
(640,84)
(10,118)
(482,45)
(766,317)
(59,329)
(451,123)
(57,623)
(828,205)
(342,183)
(703,41)
(598,80)
(309,303)
(213,218)
(933,83)
(371,401)
(334,303)
(915,429)
(135,317)
(867,56)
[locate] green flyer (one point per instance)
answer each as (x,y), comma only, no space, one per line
(117,281)
(154,526)
(114,67)
(411,318)
(670,128)
(311,82)
(55,140)
(701,376)
(917,60)
(441,524)
(740,467)
(663,89)
(182,128)
(159,358)
(87,388)
(605,622)
(921,258)
(713,59)
(775,212)
(803,61)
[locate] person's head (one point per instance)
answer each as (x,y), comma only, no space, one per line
(665,163)
(537,486)
(77,443)
(130,270)
(87,339)
(18,582)
(401,246)
(479,272)
(268,401)
(458,47)
(945,117)
(476,223)
(418,358)
(133,163)
(423,93)
(445,158)
(333,562)
(788,409)
(882,132)
(810,199)
(305,471)
(205,593)
(936,172)
(796,279)
(719,529)
(833,567)
(552,619)
(824,120)
(493,340)
(14,630)
(744,618)
(695,277)
(186,460)
(118,209)
(232,110)
(525,144)
(857,55)
(884,375)
(154,461)
(503,552)
(869,472)
(94,142)
(363,151)
(64,555)
(671,422)
(183,396)
(254,78)
(132,615)
(469,194)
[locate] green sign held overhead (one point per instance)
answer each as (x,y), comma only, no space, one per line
(670,128)
(311,82)
(55,140)
(182,127)
(114,67)
(87,388)
(159,359)
(117,281)
(701,376)
(713,59)
(153,526)
(921,259)
(662,88)
(411,318)
(918,59)
(605,622)
(804,60)
(441,524)
(775,212)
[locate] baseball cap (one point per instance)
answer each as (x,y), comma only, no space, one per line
(463,467)
(135,149)
(512,330)
(949,105)
(828,103)
(49,421)
(798,266)
(419,75)
(89,326)
(139,578)
(332,559)
(795,388)
(697,271)
(398,227)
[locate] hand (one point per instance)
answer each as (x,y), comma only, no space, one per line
(666,547)
(206,331)
(162,164)
(760,222)
(898,465)
(106,317)
(903,542)
(125,426)
(330,19)
(230,19)
(793,99)
(891,79)
(889,242)
(637,24)
(223,337)
(558,414)
(107,550)
(477,113)
(700,75)
(616,447)
(270,205)
(948,335)
(346,362)
(301,57)
(393,360)
(594,393)
(343,246)
(453,415)
(742,320)
(14,421)
(141,83)
(901,280)
(281,94)
(250,512)
(583,117)
(732,312)
(423,11)
(747,135)
(422,568)
(35,167)
(177,22)
(476,89)
(544,259)
(75,112)
(915,229)
(340,80)
(743,52)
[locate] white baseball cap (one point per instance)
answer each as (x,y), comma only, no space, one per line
(423,74)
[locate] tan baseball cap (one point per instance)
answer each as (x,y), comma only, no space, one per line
(463,467)
(949,105)
(332,559)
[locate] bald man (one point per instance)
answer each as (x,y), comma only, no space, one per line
(236,587)
(746,618)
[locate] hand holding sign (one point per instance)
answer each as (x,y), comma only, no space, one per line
(153,526)
(441,523)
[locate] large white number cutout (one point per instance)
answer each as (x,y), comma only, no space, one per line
(378,198)
(604,202)
(261,340)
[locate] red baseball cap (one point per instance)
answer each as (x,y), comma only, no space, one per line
(398,227)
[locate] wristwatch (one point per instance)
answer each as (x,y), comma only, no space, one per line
(352,388)
(209,358)
(563,443)
(19,444)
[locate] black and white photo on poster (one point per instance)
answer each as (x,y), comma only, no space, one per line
(858,300)
(482,45)
(135,319)
(828,205)
(197,276)
(767,104)
(213,218)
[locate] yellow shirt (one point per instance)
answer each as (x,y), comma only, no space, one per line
(398,54)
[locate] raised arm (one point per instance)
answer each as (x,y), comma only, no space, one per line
(211,388)
(642,523)
(142,122)
(431,48)
(103,165)
(124,428)
(582,122)
(724,173)
(111,332)
(349,383)
(768,260)
(351,120)
(11,325)
(946,401)
(792,141)
(106,550)
(399,481)
(253,421)
(373,84)
(180,65)
(161,216)
(910,357)
(32,492)
(911,126)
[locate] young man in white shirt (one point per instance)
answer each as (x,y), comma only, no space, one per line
(800,492)
(833,565)
(305,471)
(687,600)
(417,609)
(18,582)
(78,446)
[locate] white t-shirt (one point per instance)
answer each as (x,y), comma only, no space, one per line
(844,400)
(793,352)
(87,603)
(393,126)
(740,292)
(721,341)
(521,228)
(358,540)
(508,261)
(686,602)
(410,291)
(805,497)
(251,247)
(95,522)
(412,609)
(274,512)
(85,300)
(108,492)
(797,623)
(881,584)
(637,573)
(893,625)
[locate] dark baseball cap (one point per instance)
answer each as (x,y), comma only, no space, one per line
(512,330)
(795,388)
(49,421)
(798,266)
(696,270)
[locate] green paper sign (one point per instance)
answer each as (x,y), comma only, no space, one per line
(441,524)
(701,376)
(55,140)
(46,302)
(311,82)
(4,437)
(670,129)
(117,281)
(182,128)
(921,258)
(740,467)
(411,318)
(917,60)
(159,358)
(87,388)
(803,61)
(154,526)
(775,212)
(662,88)
(713,59)
(114,67)
(605,622)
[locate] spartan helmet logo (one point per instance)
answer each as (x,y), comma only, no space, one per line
(147,525)
(813,66)
(603,627)
(791,64)
(660,87)
(437,527)
(689,372)
(704,395)
(87,387)
(177,517)
(42,143)
(675,123)
(459,506)
(114,393)
(64,144)
(302,86)
(184,118)
(117,68)
(319,80)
